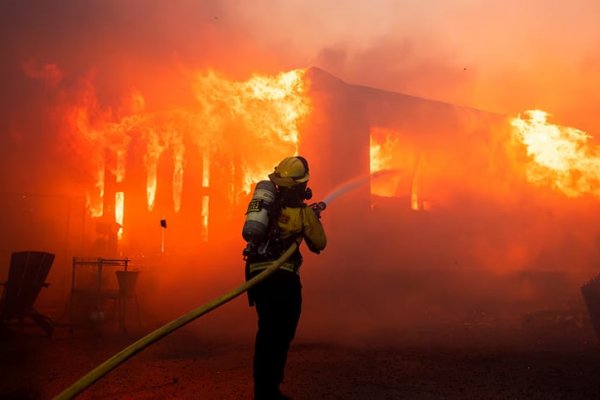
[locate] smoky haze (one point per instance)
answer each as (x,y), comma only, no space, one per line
(492,246)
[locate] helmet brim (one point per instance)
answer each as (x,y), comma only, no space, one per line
(287,181)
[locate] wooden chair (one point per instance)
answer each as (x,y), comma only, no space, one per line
(591,296)
(26,277)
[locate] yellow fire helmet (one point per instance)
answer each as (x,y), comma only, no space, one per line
(291,171)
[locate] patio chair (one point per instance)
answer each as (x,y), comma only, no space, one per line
(26,278)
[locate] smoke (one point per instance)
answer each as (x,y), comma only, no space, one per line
(403,268)
(411,65)
(503,57)
(500,58)
(347,187)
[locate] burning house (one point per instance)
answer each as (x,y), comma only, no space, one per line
(463,249)
(460,188)
(195,166)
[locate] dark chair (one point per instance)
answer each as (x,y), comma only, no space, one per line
(26,277)
(591,296)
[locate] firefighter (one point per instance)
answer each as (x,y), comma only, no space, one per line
(278,299)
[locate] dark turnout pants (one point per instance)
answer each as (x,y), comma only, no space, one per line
(278,302)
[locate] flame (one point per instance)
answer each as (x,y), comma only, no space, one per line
(96,131)
(120,165)
(178,161)
(93,198)
(269,108)
(204,215)
(119,211)
(154,151)
(205,170)
(241,129)
(382,153)
(416,203)
(560,156)
(78,118)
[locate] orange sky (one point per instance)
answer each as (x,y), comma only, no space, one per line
(517,54)
(503,56)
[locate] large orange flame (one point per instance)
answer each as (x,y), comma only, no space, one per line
(387,154)
(383,146)
(119,212)
(97,133)
(561,157)
(248,125)
(381,154)
(270,109)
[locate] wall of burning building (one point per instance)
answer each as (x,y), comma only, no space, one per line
(126,177)
(455,216)
(437,156)
(188,167)
(431,148)
(443,158)
(458,228)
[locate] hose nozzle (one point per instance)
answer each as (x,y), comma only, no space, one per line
(318,208)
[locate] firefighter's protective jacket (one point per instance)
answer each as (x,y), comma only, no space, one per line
(296,224)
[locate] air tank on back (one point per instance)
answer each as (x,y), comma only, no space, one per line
(257,216)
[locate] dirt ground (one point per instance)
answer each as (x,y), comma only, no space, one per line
(543,357)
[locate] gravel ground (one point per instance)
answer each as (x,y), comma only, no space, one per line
(486,361)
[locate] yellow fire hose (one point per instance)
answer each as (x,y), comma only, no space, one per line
(122,356)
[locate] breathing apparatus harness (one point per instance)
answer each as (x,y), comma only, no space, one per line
(286,187)
(265,249)
(261,229)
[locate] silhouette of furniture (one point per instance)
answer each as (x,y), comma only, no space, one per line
(591,296)
(101,287)
(26,277)
(127,282)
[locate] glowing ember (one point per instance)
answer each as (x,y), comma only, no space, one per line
(560,156)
